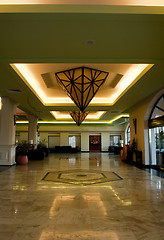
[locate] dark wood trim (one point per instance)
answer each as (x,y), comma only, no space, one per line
(156,122)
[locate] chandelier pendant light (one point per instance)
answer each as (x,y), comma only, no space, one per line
(78,116)
(81,84)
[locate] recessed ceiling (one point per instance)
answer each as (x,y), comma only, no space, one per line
(41,79)
(65,115)
(50,38)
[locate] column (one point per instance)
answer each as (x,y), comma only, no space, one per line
(32,129)
(104,141)
(85,142)
(7,132)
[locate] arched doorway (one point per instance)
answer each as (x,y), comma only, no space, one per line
(127,135)
(156,133)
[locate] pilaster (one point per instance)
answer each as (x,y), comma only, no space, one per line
(7,132)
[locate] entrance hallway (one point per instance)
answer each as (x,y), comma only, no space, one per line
(131,208)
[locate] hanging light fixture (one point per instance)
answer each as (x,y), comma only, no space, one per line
(78,116)
(81,84)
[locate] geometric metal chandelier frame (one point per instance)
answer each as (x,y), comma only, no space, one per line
(81,84)
(78,116)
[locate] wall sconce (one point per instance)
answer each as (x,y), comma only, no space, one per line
(135,124)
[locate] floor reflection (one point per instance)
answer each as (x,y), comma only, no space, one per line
(128,209)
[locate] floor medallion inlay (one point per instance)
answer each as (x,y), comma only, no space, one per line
(81,177)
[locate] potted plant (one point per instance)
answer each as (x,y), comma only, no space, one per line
(42,145)
(22,150)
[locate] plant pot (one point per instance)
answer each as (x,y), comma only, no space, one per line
(22,160)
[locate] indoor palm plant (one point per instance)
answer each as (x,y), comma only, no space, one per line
(42,146)
(22,150)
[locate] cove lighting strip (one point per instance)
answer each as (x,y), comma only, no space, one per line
(118,117)
(59,115)
(71,122)
(86,2)
(129,79)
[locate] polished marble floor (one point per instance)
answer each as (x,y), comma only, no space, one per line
(34,209)
(81,177)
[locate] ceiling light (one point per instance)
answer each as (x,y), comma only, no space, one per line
(65,115)
(81,84)
(78,116)
(31,74)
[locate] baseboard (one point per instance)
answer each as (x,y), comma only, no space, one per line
(149,166)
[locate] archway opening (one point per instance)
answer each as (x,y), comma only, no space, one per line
(156,133)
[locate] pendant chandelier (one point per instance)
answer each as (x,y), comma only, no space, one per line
(81,84)
(78,116)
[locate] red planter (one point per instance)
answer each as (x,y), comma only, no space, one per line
(22,160)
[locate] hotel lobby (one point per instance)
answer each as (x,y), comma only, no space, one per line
(82,83)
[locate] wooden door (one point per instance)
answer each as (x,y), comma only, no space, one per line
(94,143)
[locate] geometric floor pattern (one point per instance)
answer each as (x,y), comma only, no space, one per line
(81,177)
(34,209)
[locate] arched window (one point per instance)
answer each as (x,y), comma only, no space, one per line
(156,118)
(128,135)
(156,133)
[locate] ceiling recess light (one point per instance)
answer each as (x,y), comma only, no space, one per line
(81,84)
(90,42)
